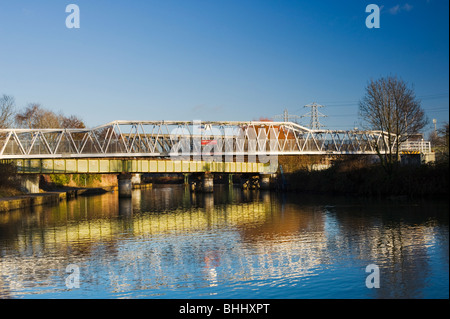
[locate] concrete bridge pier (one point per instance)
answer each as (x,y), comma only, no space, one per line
(135,179)
(186,178)
(29,183)
(125,186)
(264,181)
(208,183)
(230,179)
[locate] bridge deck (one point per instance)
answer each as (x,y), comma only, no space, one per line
(116,166)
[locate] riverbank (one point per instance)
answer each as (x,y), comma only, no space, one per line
(23,201)
(30,200)
(372,180)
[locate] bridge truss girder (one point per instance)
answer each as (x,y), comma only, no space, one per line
(188,138)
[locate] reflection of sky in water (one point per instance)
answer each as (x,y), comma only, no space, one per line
(170,243)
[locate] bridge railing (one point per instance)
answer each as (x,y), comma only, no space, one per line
(416,146)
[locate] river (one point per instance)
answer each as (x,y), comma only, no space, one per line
(167,242)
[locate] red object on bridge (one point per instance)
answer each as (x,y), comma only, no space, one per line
(209,142)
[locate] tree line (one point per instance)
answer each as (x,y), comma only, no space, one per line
(34,116)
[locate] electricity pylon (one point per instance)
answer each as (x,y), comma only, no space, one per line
(286,117)
(314,114)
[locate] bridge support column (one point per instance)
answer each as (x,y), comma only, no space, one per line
(186,179)
(135,179)
(264,181)
(230,179)
(124,183)
(207,183)
(29,183)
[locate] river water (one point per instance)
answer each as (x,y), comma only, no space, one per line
(170,243)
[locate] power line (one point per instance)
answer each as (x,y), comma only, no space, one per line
(433,96)
(437,109)
(356,102)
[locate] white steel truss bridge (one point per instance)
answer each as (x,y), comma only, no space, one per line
(165,139)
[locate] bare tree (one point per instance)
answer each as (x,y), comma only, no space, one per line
(34,116)
(441,143)
(71,121)
(391,106)
(7,111)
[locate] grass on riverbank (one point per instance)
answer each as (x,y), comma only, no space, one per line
(357,178)
(6,191)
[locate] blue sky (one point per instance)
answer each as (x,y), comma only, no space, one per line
(220,60)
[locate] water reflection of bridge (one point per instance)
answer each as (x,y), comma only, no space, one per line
(171,239)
